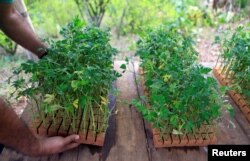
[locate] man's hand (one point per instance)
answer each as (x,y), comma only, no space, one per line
(57,144)
(15,134)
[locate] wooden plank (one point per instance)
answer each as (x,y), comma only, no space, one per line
(68,155)
(231,131)
(89,153)
(241,119)
(13,155)
(130,142)
(4,158)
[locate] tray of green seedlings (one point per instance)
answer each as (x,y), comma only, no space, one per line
(180,99)
(69,88)
(233,67)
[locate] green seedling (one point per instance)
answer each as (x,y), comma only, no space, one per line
(75,77)
(235,60)
(182,96)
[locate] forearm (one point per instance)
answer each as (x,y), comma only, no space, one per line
(15,134)
(17,28)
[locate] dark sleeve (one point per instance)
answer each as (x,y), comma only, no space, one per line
(6,1)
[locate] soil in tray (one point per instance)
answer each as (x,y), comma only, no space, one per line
(59,127)
(239,99)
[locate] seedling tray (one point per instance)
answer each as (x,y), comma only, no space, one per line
(239,99)
(59,127)
(204,136)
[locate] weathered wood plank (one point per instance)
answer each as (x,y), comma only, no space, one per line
(68,155)
(13,155)
(130,142)
(87,153)
(241,119)
(4,158)
(230,131)
(234,130)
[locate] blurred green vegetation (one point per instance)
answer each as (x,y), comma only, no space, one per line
(136,15)
(7,44)
(50,15)
(242,3)
(128,16)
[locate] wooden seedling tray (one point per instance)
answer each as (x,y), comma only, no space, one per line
(206,135)
(239,99)
(56,127)
(202,137)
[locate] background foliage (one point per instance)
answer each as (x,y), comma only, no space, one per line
(126,16)
(50,15)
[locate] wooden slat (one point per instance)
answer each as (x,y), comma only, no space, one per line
(130,141)
(89,153)
(230,131)
(71,155)
(4,158)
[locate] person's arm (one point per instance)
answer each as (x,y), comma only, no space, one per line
(16,27)
(13,131)
(15,134)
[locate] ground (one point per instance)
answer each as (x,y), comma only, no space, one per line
(6,66)
(208,50)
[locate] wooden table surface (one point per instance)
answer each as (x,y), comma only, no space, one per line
(129,137)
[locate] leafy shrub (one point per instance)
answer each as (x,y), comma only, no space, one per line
(182,96)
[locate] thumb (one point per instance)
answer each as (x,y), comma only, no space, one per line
(70,139)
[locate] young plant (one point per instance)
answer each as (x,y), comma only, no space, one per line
(235,60)
(181,95)
(74,79)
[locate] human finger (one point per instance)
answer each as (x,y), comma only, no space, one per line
(70,139)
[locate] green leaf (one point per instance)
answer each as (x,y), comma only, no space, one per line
(174,120)
(205,70)
(74,84)
(123,66)
(217,40)
(49,98)
(224,89)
